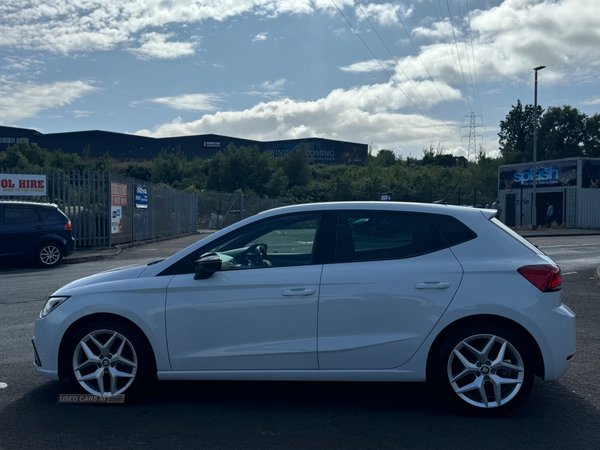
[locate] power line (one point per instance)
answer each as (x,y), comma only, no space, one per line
(420,59)
(458,55)
(447,45)
(473,52)
(386,71)
(464,35)
(398,64)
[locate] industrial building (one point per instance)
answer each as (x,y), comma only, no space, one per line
(124,146)
(570,185)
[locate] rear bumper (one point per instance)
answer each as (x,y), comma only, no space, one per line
(70,246)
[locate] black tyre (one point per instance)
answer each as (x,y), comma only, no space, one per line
(107,359)
(485,370)
(49,255)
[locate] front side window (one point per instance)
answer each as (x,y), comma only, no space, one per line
(277,242)
(372,236)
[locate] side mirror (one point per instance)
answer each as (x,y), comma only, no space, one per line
(206,266)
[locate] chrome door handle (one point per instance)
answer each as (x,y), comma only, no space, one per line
(432,285)
(298,292)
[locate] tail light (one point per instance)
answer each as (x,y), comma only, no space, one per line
(545,277)
(68,225)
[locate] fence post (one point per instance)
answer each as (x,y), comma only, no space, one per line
(242,213)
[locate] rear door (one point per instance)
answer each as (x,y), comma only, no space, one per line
(390,281)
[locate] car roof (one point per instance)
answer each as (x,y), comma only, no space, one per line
(20,202)
(452,210)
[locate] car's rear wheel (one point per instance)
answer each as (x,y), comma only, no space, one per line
(108,359)
(486,370)
(49,254)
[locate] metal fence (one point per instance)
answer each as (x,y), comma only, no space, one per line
(100,216)
(217,210)
(164,212)
(83,196)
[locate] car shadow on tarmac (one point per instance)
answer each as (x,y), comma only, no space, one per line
(290,415)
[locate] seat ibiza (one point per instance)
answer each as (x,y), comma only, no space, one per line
(339,291)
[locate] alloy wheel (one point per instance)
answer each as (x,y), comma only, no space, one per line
(486,371)
(105,363)
(50,255)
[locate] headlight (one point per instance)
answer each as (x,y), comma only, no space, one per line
(51,305)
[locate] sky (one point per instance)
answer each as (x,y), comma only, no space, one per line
(396,75)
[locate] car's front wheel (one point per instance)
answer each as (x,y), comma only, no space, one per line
(486,370)
(108,359)
(49,254)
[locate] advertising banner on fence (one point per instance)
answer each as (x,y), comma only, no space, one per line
(141,197)
(118,194)
(15,184)
(116,219)
(548,174)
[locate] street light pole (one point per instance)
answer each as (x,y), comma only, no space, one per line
(534,169)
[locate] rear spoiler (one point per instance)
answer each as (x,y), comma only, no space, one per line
(489,213)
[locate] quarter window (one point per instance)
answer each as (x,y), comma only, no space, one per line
(371,236)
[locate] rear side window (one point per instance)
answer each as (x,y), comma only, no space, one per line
(14,215)
(453,231)
(372,236)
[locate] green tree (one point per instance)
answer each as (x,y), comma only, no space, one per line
(169,167)
(385,158)
(296,166)
(242,168)
(562,133)
(516,134)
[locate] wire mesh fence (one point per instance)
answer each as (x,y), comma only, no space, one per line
(217,210)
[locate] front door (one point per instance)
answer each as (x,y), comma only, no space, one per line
(260,311)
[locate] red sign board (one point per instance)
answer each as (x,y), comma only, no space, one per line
(118,194)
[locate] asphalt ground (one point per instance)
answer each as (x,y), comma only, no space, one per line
(289,415)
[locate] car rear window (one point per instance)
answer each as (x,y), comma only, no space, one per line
(453,230)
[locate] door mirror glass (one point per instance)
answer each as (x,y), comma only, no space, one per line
(206,266)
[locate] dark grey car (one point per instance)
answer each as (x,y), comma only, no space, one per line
(38,230)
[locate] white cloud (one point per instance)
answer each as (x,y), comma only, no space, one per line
(155,45)
(79,113)
(383,14)
(260,37)
(189,102)
(269,89)
(66,26)
(369,66)
(592,101)
(22,100)
(512,38)
(363,114)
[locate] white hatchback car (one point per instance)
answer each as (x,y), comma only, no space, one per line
(339,291)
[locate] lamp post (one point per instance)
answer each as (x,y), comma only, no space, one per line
(534,169)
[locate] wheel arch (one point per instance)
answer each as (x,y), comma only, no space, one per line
(78,324)
(484,319)
(53,239)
